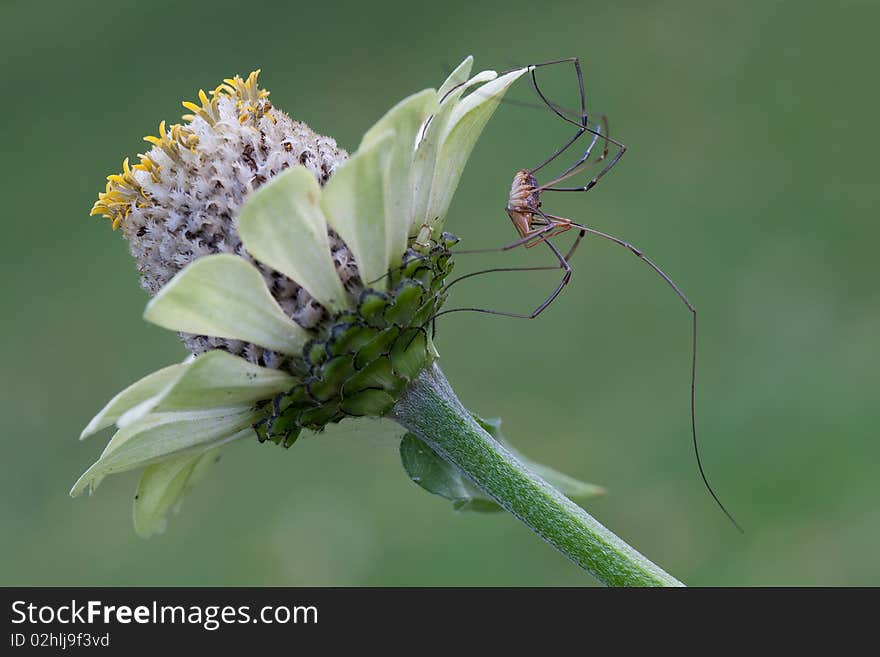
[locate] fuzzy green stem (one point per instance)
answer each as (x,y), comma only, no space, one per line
(430,410)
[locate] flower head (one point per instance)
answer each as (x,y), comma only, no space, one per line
(300,278)
(181,201)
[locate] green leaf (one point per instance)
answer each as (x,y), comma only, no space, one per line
(427,469)
(224,296)
(430,471)
(282,225)
(404,119)
(133,395)
(569,486)
(354,202)
(162,487)
(159,436)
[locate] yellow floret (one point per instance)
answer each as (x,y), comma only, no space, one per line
(123,190)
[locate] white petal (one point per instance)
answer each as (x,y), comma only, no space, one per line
(133,395)
(354,202)
(457,77)
(162,486)
(405,119)
(465,124)
(224,296)
(282,225)
(214,379)
(425,161)
(161,435)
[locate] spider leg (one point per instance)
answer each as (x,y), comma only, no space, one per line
(531,237)
(641,256)
(535,236)
(581,125)
(550,186)
(562,263)
(497,269)
(553,107)
(589,151)
(559,151)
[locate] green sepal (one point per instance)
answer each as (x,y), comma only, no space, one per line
(407,354)
(424,314)
(372,306)
(377,347)
(361,361)
(315,352)
(284,431)
(373,403)
(350,340)
(408,297)
(378,374)
(319,416)
(333,374)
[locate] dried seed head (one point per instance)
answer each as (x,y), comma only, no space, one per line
(181,201)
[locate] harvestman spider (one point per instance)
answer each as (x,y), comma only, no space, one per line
(538,227)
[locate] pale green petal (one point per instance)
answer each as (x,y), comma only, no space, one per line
(214,379)
(405,119)
(354,202)
(224,296)
(219,379)
(425,161)
(465,124)
(282,225)
(162,486)
(457,77)
(133,395)
(174,424)
(161,435)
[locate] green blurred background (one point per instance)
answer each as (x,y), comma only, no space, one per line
(751,178)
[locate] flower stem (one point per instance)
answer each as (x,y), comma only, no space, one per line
(430,410)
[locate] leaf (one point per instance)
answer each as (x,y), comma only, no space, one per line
(572,488)
(433,473)
(430,471)
(282,224)
(224,296)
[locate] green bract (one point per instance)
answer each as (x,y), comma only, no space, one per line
(387,203)
(360,362)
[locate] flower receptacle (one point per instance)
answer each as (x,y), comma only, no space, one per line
(364,358)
